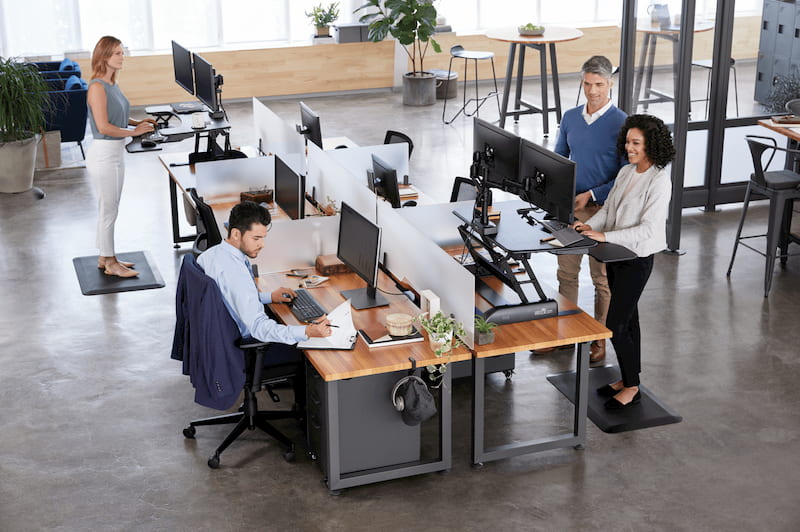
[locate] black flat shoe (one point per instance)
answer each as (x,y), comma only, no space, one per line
(607,391)
(614,404)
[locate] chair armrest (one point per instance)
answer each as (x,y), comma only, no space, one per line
(250,343)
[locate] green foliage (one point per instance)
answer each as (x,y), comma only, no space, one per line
(23,99)
(483,326)
(785,88)
(411,22)
(323,16)
(440,326)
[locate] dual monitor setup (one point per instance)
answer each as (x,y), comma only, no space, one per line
(537,175)
(198,78)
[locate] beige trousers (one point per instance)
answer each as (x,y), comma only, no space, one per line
(569,266)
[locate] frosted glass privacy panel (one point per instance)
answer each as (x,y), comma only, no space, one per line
(436,221)
(297,243)
(223,181)
(409,253)
(331,181)
(274,135)
(359,160)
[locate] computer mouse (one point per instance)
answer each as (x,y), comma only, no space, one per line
(288,295)
(147,143)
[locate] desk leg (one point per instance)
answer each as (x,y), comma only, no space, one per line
(554,74)
(543,76)
(581,394)
(478,395)
(507,88)
(332,439)
(520,75)
(177,238)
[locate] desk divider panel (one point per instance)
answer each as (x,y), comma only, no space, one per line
(359,160)
(275,134)
(296,243)
(409,253)
(221,181)
(332,179)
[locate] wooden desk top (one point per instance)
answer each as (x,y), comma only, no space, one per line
(362,361)
(552,34)
(791,132)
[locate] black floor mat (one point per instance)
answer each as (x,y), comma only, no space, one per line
(93,281)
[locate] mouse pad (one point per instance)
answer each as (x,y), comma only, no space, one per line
(651,412)
(93,281)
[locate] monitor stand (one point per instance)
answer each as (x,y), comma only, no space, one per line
(361,298)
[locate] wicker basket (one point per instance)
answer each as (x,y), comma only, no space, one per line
(399,324)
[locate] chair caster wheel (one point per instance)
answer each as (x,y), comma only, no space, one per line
(477,465)
(579,447)
(334,493)
(189,432)
(508,373)
(213,462)
(290,456)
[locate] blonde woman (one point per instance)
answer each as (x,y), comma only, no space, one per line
(109,119)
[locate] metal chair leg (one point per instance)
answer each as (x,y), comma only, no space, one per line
(739,229)
(447,87)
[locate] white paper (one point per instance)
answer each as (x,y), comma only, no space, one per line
(342,336)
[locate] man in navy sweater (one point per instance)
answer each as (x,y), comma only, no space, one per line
(588,136)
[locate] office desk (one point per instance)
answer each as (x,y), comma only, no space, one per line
(358,436)
(551,36)
(650,34)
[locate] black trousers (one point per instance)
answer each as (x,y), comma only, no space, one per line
(282,356)
(627,280)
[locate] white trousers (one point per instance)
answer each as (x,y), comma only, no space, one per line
(107,171)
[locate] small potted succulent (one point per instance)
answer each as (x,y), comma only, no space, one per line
(485,330)
(443,335)
(322,17)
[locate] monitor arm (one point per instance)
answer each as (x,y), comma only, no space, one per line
(483,200)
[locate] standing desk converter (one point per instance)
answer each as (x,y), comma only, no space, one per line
(353,429)
(181,131)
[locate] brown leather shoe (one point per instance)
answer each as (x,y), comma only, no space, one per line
(597,351)
(118,270)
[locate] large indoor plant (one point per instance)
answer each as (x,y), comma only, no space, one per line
(322,17)
(23,97)
(412,23)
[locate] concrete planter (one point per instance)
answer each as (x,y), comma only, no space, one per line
(485,338)
(419,88)
(17,163)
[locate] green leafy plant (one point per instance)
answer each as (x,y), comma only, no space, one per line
(411,22)
(23,100)
(444,332)
(323,16)
(785,88)
(483,326)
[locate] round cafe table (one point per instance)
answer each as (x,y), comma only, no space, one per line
(551,36)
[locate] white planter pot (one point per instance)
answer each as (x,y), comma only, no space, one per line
(445,342)
(17,163)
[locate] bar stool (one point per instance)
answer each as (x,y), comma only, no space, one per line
(782,187)
(706,63)
(458,51)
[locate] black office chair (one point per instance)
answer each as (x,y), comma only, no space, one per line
(463,189)
(393,137)
(257,377)
(208,234)
(782,187)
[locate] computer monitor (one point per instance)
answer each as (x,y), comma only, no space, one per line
(359,247)
(205,83)
(290,190)
(311,128)
(548,181)
(500,153)
(385,181)
(182,63)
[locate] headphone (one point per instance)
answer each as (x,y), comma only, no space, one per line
(397,400)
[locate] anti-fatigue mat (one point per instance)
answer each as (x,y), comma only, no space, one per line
(93,281)
(651,412)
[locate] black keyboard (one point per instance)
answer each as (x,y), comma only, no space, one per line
(305,307)
(563,232)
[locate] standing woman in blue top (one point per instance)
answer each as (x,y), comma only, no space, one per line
(635,216)
(109,119)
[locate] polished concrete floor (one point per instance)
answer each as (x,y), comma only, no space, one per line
(93,407)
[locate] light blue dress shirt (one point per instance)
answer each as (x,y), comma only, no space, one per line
(230,268)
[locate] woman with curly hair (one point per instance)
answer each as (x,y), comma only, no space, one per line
(634,215)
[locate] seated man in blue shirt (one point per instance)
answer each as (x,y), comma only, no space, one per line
(588,136)
(228,264)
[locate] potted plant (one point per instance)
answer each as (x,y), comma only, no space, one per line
(443,335)
(485,330)
(412,23)
(23,99)
(322,17)
(784,89)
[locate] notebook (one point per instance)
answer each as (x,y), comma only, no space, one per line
(343,336)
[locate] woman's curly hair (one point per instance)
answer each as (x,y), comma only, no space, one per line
(657,139)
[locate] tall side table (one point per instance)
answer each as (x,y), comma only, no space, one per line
(551,36)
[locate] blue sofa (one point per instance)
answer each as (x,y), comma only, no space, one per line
(58,69)
(67,111)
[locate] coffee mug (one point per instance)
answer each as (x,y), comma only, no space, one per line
(198,120)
